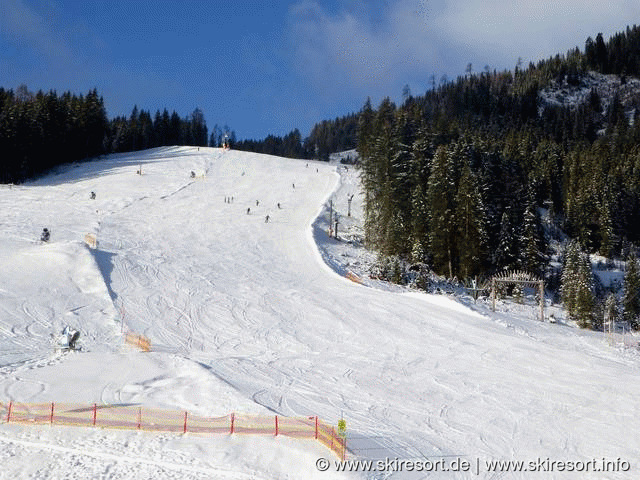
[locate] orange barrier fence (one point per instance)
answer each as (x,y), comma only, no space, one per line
(91,240)
(353,277)
(158,420)
(142,342)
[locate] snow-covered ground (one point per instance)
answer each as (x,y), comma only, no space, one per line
(607,86)
(244,315)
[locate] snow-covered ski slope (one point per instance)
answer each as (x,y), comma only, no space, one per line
(244,316)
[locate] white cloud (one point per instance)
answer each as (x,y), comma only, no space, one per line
(405,41)
(348,50)
(532,29)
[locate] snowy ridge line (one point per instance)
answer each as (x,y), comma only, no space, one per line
(128,416)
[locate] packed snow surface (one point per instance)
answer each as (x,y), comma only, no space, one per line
(252,316)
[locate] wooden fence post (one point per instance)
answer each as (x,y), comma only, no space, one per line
(276,425)
(139,418)
(185,423)
(51,416)
(233,418)
(9,413)
(95,413)
(316,427)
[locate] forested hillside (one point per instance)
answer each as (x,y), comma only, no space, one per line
(456,177)
(326,137)
(42,130)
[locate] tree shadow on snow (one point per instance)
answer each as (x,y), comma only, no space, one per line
(106,265)
(95,167)
(320,228)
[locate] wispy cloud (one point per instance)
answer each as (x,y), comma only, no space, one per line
(25,27)
(531,29)
(349,50)
(406,41)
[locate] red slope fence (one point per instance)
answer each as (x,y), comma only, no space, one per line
(134,417)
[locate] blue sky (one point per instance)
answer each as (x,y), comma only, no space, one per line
(268,67)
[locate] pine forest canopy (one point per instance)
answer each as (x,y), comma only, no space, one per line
(457,178)
(42,130)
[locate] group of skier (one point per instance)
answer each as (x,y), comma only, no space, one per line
(267,217)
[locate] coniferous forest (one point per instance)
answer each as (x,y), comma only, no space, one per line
(326,137)
(457,177)
(460,177)
(39,131)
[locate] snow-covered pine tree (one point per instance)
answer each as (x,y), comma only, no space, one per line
(631,299)
(375,165)
(570,277)
(584,293)
(611,308)
(421,156)
(441,213)
(419,225)
(397,274)
(400,181)
(471,234)
(505,256)
(532,247)
(606,229)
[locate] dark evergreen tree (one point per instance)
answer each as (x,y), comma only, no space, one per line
(584,293)
(569,285)
(631,300)
(471,235)
(532,243)
(441,192)
(506,253)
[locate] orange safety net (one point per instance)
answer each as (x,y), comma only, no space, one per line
(160,420)
(353,277)
(140,341)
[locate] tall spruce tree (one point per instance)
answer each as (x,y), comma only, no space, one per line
(631,299)
(442,225)
(419,225)
(611,308)
(570,276)
(471,235)
(532,245)
(505,256)
(584,293)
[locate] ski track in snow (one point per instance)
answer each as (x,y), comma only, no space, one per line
(245,316)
